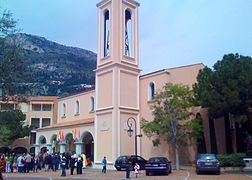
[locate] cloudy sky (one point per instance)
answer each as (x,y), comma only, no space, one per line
(172,32)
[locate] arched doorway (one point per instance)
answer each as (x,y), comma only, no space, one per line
(19,150)
(5,150)
(88,145)
(55,144)
(201,145)
(70,146)
(42,144)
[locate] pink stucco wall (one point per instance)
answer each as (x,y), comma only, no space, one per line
(182,75)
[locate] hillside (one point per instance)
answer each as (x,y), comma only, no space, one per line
(56,69)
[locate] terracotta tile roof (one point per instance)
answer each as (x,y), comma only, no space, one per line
(71,123)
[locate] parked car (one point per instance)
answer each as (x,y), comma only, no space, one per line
(207,163)
(158,165)
(121,162)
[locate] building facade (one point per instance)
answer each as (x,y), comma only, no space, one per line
(95,122)
(40,112)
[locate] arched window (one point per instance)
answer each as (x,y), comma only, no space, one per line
(151,91)
(128,34)
(91,104)
(42,140)
(77,107)
(106,33)
(63,110)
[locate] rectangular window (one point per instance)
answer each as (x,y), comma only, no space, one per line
(46,107)
(46,122)
(34,123)
(36,107)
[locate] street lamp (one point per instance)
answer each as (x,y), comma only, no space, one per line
(130,131)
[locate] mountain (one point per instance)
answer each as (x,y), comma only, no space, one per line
(56,69)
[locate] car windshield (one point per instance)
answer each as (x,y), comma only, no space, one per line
(158,160)
(207,156)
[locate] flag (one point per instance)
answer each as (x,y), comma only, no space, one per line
(62,134)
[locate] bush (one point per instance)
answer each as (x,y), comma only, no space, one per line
(231,160)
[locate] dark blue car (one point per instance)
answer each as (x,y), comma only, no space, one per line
(123,161)
(158,165)
(207,163)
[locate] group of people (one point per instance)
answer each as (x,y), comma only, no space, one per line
(26,162)
(76,162)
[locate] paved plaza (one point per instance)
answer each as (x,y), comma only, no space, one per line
(91,174)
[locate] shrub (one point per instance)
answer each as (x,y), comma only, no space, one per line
(231,160)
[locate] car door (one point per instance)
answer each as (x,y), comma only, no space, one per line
(141,161)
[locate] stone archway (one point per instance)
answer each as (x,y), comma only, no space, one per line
(5,150)
(55,144)
(42,144)
(70,146)
(19,150)
(42,140)
(88,145)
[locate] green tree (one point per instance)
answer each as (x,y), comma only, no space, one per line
(195,128)
(227,88)
(12,126)
(170,109)
(13,72)
(7,24)
(226,91)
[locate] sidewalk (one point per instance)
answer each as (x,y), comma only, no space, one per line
(186,173)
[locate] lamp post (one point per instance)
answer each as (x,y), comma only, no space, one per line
(130,131)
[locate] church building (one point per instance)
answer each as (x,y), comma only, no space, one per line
(96,122)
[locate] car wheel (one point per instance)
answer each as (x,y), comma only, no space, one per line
(197,172)
(147,173)
(218,172)
(170,171)
(167,172)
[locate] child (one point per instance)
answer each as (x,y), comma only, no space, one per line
(137,167)
(104,165)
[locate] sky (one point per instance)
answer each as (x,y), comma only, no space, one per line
(171,32)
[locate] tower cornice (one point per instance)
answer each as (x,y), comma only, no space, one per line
(103,3)
(120,65)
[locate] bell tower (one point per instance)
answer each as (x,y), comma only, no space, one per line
(117,79)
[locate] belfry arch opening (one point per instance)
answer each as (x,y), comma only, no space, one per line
(128,50)
(106,34)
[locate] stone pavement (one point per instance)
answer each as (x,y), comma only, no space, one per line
(92,174)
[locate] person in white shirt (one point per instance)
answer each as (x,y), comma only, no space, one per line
(20,163)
